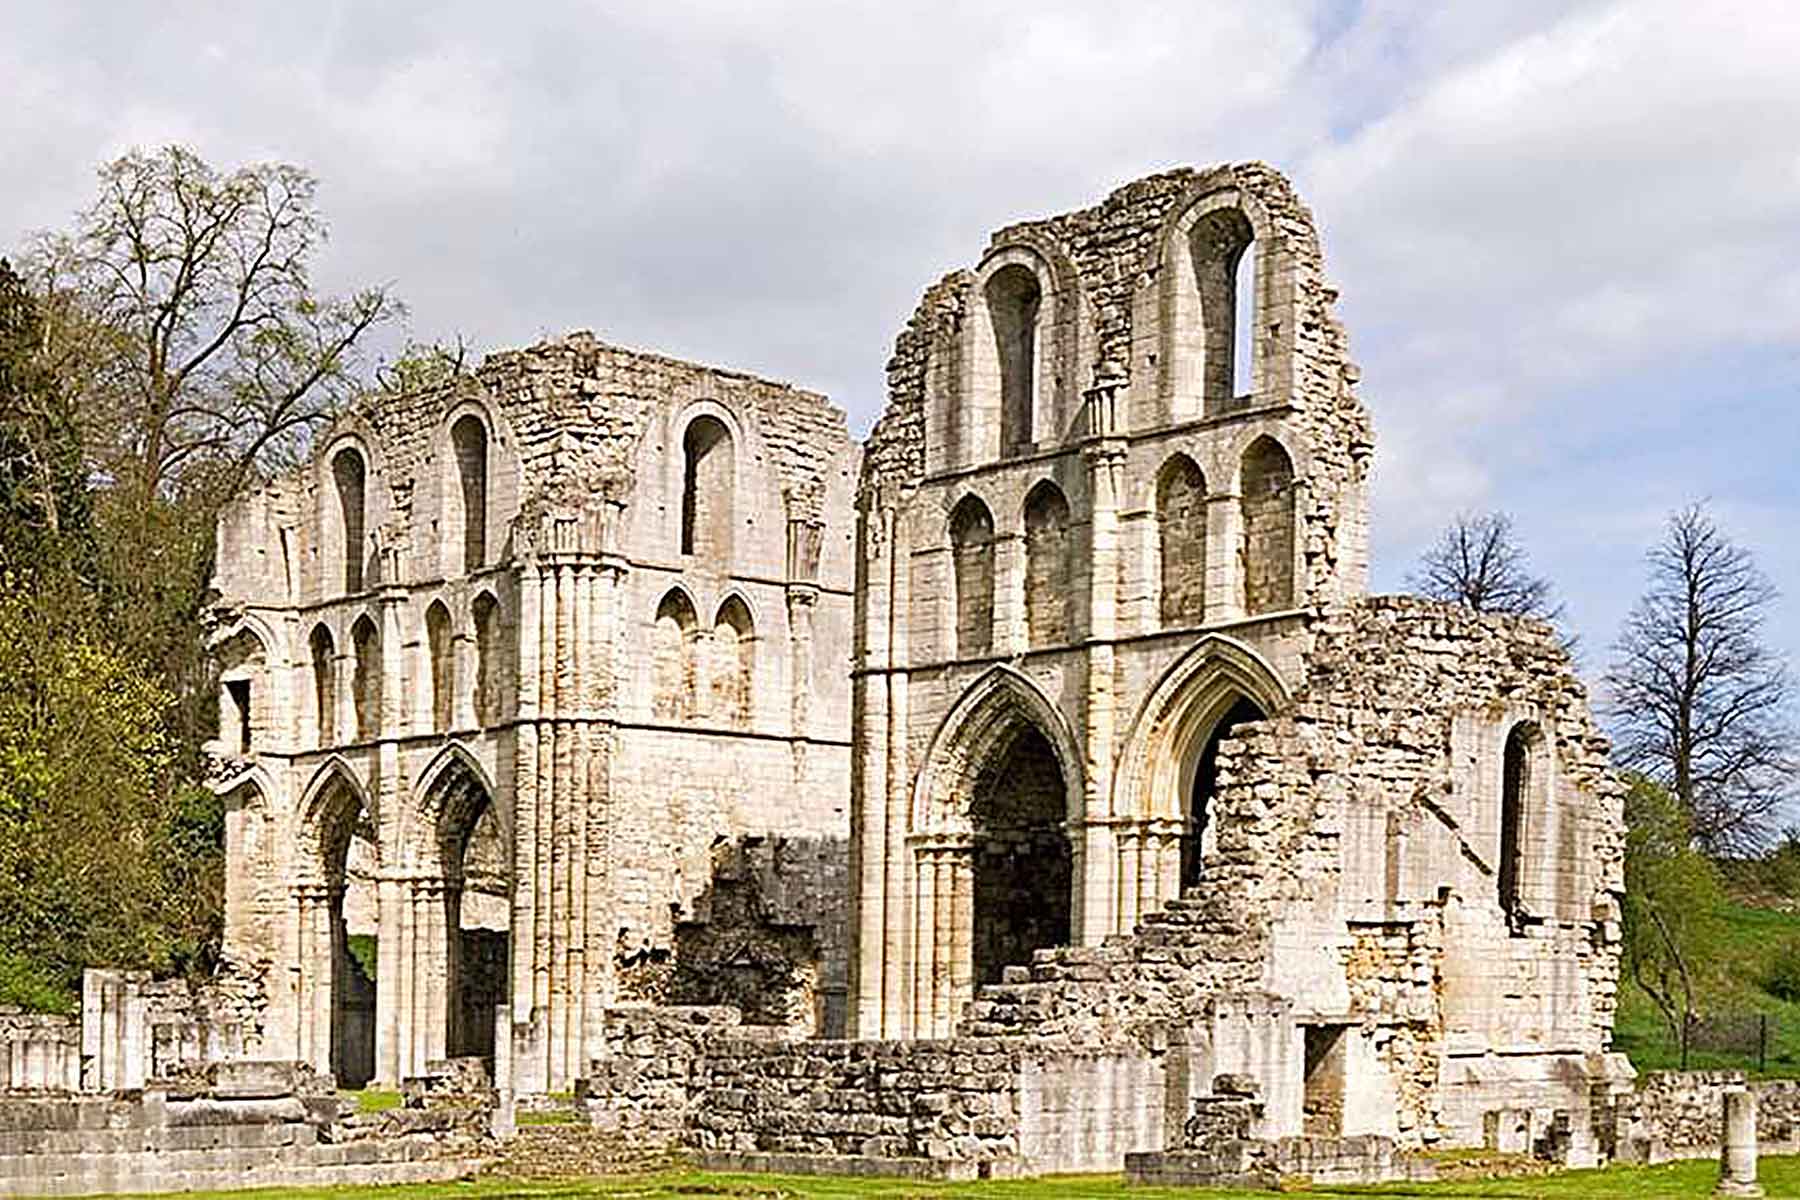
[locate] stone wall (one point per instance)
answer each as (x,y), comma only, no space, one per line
(1677,1114)
(39,1052)
(234,1125)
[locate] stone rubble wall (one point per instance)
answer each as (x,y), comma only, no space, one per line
(1674,1115)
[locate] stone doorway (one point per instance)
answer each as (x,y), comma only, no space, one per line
(338,927)
(1202,786)
(1020,856)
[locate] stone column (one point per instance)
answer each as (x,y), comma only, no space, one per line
(1737,1157)
(1093,913)
(1010,636)
(390,1025)
(868,772)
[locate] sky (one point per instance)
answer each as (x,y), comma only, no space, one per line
(1567,235)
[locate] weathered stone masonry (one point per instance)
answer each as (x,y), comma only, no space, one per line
(1049,745)
(519,665)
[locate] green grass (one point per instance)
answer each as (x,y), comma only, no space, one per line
(373,1100)
(549,1116)
(1732,982)
(1780,1176)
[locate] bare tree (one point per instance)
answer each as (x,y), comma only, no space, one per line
(182,310)
(1697,701)
(1477,562)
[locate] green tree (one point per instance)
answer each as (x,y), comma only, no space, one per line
(1672,898)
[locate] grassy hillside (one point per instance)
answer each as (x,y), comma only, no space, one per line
(1733,981)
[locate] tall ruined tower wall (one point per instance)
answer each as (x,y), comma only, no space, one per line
(553,654)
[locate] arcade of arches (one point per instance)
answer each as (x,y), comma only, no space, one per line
(403,957)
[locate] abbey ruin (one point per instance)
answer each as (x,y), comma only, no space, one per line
(1033,786)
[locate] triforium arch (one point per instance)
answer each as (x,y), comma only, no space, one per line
(971,535)
(991,862)
(1049,566)
(1269,540)
(1161,790)
(1181,542)
(451,918)
(674,632)
(334,900)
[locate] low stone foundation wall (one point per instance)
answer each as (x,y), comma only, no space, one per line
(234,1125)
(1250,1162)
(695,1078)
(1676,1114)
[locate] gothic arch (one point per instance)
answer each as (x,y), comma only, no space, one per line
(334,794)
(1193,694)
(989,711)
(447,798)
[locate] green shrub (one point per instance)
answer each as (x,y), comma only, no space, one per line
(1782,979)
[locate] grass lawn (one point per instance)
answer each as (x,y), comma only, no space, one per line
(1780,1176)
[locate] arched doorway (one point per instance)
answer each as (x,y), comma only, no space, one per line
(461,974)
(991,872)
(1021,860)
(1200,782)
(338,926)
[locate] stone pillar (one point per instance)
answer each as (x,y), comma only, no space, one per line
(1737,1157)
(1010,637)
(390,1023)
(1093,913)
(868,772)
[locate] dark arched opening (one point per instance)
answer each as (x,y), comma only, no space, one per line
(478,912)
(1021,858)
(348,476)
(1013,297)
(972,561)
(708,475)
(469,441)
(350,860)
(1203,788)
(1049,582)
(1515,784)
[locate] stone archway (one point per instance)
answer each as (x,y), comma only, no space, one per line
(1163,787)
(991,872)
(451,916)
(335,910)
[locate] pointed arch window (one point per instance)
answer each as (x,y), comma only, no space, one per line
(972,558)
(733,661)
(708,477)
(1181,541)
(440,646)
(324,673)
(1013,300)
(365,687)
(469,443)
(349,479)
(488,663)
(1266,556)
(1049,574)
(1517,786)
(672,658)
(1223,264)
